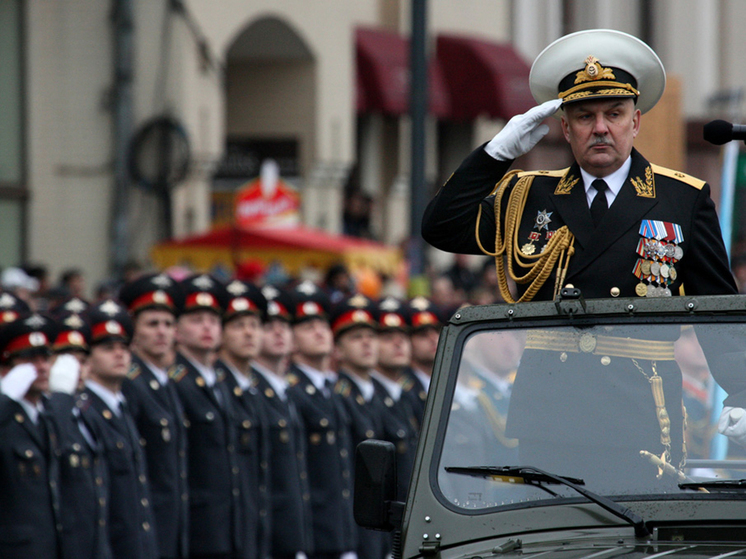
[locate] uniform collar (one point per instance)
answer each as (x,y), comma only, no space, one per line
(111,399)
(614,181)
(205,372)
(318,378)
(393,388)
(278,383)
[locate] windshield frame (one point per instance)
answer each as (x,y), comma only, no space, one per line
(473,320)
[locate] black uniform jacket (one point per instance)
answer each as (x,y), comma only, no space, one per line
(217,515)
(329,452)
(289,490)
(253,456)
(29,502)
(605,257)
(415,393)
(131,524)
(84,486)
(366,422)
(160,419)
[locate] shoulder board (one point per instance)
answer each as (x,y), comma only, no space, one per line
(679,176)
(543,173)
(406,383)
(177,372)
(134,371)
(292,379)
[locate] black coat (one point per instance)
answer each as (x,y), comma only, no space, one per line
(160,420)
(328,456)
(289,490)
(84,485)
(131,523)
(253,460)
(606,257)
(29,503)
(217,515)
(415,393)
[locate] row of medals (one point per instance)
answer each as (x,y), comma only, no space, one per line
(656,267)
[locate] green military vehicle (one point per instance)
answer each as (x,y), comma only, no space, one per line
(575,428)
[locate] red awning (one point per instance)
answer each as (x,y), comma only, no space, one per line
(383,75)
(483,78)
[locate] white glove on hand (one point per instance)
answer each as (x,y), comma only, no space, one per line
(732,424)
(64,374)
(18,380)
(522,132)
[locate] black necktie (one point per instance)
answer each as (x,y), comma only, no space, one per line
(599,204)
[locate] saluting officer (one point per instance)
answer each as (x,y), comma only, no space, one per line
(424,334)
(289,485)
(30,522)
(329,448)
(241,342)
(217,515)
(394,354)
(131,524)
(353,322)
(84,488)
(152,302)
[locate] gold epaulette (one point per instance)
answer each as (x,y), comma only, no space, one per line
(134,371)
(177,372)
(544,173)
(292,379)
(679,176)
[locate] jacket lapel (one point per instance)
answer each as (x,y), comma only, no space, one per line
(573,208)
(627,211)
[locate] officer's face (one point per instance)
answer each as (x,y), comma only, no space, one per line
(109,361)
(242,336)
(424,345)
(154,333)
(278,339)
(313,338)
(601,133)
(394,350)
(357,349)
(199,331)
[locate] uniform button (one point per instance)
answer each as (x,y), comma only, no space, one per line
(324,422)
(102,522)
(29,453)
(303,475)
(282,423)
(235,469)
(231,448)
(615,292)
(236,492)
(164,421)
(184,497)
(144,502)
(52,484)
(306,497)
(346,474)
(99,481)
(143,442)
(76,447)
(142,478)
(369,433)
(209,416)
(146,526)
(120,445)
(246,424)
(264,465)
(346,493)
(102,502)
(343,453)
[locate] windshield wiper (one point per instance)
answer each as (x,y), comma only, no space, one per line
(534,476)
(716,484)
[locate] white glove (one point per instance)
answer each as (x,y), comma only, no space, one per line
(64,375)
(522,132)
(732,424)
(18,380)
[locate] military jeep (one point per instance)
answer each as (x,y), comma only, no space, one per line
(575,428)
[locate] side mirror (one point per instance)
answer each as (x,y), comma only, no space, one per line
(375,485)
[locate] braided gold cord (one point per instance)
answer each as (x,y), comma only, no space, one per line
(559,248)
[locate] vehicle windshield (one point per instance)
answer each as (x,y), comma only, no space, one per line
(629,409)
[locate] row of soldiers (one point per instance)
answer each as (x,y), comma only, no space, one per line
(199,419)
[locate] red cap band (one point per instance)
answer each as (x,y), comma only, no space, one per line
(32,340)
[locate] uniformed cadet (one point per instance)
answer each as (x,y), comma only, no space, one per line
(30,522)
(217,517)
(289,486)
(152,301)
(612,224)
(329,448)
(394,355)
(424,334)
(131,524)
(84,488)
(354,324)
(241,342)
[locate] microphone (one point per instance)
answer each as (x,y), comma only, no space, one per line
(719,132)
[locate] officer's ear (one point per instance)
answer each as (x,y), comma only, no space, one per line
(565,128)
(636,118)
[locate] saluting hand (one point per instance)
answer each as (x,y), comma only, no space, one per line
(18,380)
(522,132)
(732,424)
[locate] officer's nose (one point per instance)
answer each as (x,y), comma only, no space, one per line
(599,125)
